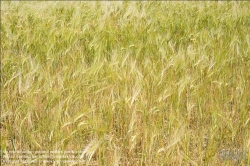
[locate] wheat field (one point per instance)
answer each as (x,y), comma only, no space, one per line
(127,83)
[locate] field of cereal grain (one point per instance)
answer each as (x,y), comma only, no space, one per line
(127,83)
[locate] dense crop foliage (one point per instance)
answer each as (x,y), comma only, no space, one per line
(127,83)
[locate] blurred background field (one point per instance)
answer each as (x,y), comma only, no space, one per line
(127,83)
